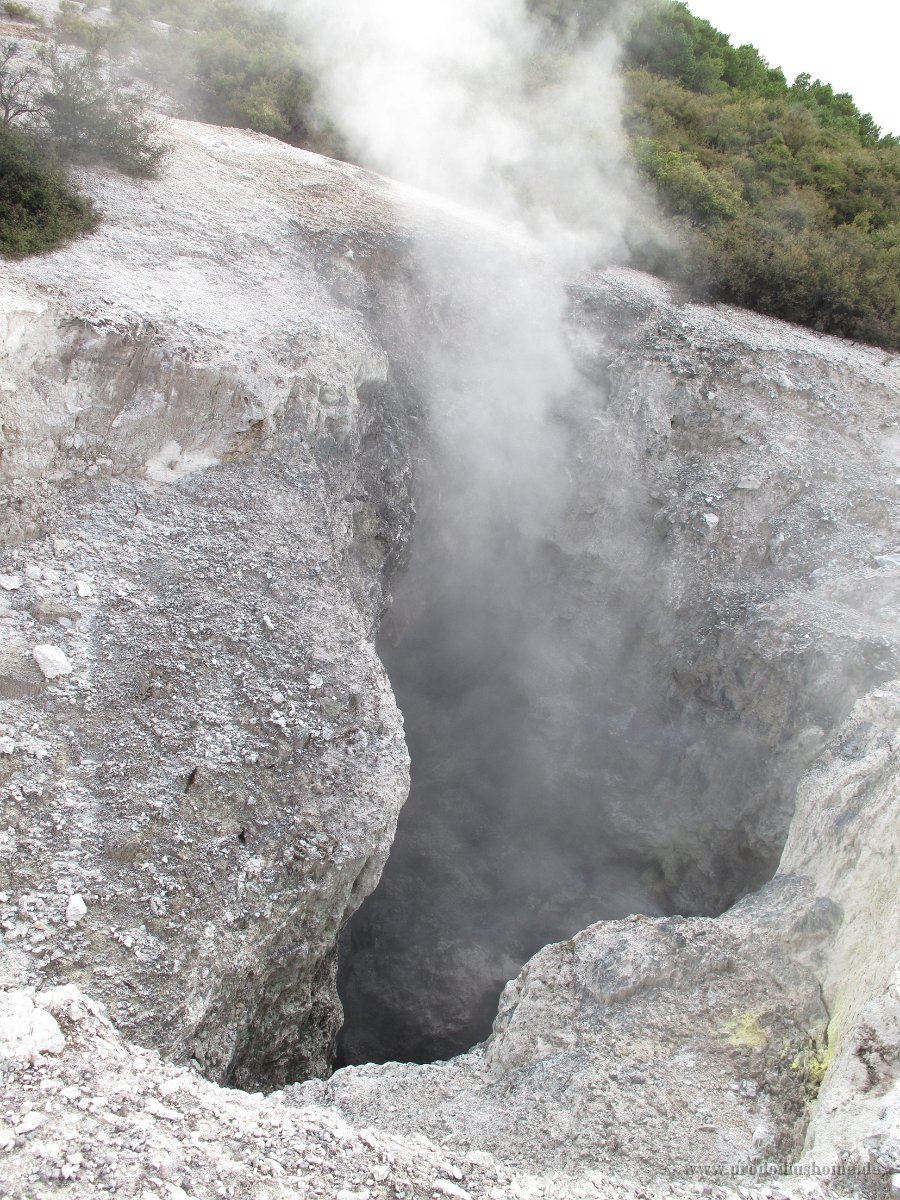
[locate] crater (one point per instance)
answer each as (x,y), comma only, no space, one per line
(608,710)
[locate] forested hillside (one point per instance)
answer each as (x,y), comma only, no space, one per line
(782,196)
(788,198)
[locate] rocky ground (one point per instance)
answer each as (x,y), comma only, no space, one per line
(208,442)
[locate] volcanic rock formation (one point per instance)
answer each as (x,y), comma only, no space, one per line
(218,452)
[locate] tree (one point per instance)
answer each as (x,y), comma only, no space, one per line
(19,85)
(91,119)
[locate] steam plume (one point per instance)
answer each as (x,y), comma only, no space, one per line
(470,100)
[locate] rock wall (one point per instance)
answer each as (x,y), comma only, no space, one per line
(613,715)
(676,1048)
(203,766)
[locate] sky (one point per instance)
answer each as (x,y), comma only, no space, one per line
(854,47)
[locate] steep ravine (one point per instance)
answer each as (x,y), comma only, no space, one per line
(219,436)
(612,716)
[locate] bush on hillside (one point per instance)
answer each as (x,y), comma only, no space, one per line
(20,12)
(58,108)
(38,209)
(92,120)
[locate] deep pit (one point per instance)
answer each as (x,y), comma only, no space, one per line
(582,747)
(528,817)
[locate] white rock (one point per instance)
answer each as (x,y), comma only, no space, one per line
(26,1031)
(7,745)
(65,998)
(164,1113)
(75,909)
(10,583)
(52,661)
(84,588)
(446,1188)
(711,520)
(34,1120)
(479,1158)
(46,1035)
(761,1136)
(749,483)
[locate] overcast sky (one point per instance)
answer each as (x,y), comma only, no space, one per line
(853,46)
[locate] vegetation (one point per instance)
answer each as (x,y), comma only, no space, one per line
(55,110)
(228,62)
(90,117)
(786,196)
(38,209)
(19,12)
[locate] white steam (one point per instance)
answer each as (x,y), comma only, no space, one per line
(462,98)
(469,100)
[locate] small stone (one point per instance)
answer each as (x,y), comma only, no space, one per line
(76,909)
(162,1111)
(84,588)
(267,621)
(33,1121)
(277,698)
(446,1188)
(711,520)
(479,1158)
(32,572)
(748,483)
(7,745)
(761,1137)
(10,583)
(52,661)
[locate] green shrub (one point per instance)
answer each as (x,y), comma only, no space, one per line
(227,62)
(38,209)
(20,12)
(92,120)
(71,27)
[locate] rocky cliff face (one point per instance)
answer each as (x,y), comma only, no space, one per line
(217,435)
(199,503)
(717,589)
